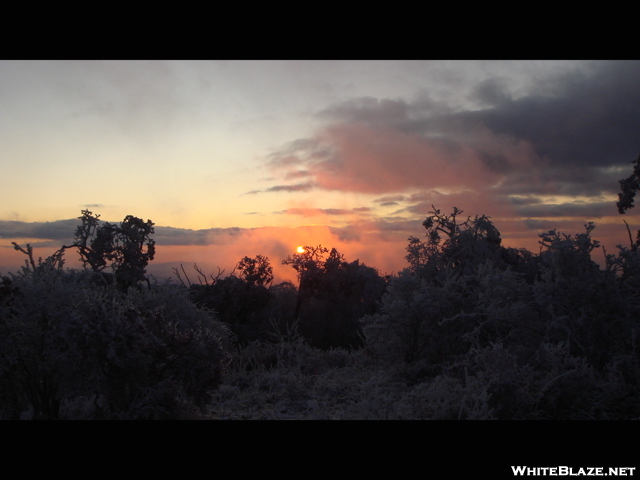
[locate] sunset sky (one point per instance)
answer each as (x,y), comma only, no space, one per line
(240,158)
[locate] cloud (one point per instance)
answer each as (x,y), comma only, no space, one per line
(63,231)
(210,236)
(313,212)
(297,174)
(379,159)
(391,200)
(580,210)
(561,135)
(386,146)
(58,230)
(299,187)
(368,110)
(546,155)
(492,92)
(582,120)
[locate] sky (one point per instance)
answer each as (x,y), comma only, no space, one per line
(244,158)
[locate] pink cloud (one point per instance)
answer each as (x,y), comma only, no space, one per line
(382,159)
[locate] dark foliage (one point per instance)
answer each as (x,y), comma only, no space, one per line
(548,336)
(239,303)
(472,329)
(75,346)
(333,295)
(256,271)
(629,186)
(74,349)
(127,248)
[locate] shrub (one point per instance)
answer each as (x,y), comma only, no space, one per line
(333,295)
(237,303)
(68,343)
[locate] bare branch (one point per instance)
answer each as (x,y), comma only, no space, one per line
(185,274)
(200,273)
(177,274)
(629,231)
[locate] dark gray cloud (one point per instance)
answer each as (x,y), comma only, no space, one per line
(492,92)
(368,110)
(297,174)
(400,113)
(58,230)
(62,232)
(588,181)
(384,228)
(310,212)
(298,187)
(577,209)
(536,224)
(209,236)
(562,136)
(298,151)
(390,200)
(524,200)
(583,120)
(349,233)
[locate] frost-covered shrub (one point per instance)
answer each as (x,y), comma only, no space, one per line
(565,256)
(569,387)
(621,397)
(396,332)
(147,353)
(591,310)
(437,320)
(528,336)
(449,398)
(466,244)
(237,303)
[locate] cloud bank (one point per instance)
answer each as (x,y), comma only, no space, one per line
(573,135)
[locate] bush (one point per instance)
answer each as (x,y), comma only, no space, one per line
(333,295)
(73,349)
(542,336)
(239,304)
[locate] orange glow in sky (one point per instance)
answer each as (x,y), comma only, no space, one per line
(351,155)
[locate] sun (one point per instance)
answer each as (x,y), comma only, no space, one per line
(300,249)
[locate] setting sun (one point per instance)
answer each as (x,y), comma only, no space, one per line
(300,249)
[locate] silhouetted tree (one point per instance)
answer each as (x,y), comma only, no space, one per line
(240,301)
(71,347)
(333,295)
(256,271)
(127,248)
(629,187)
(466,244)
